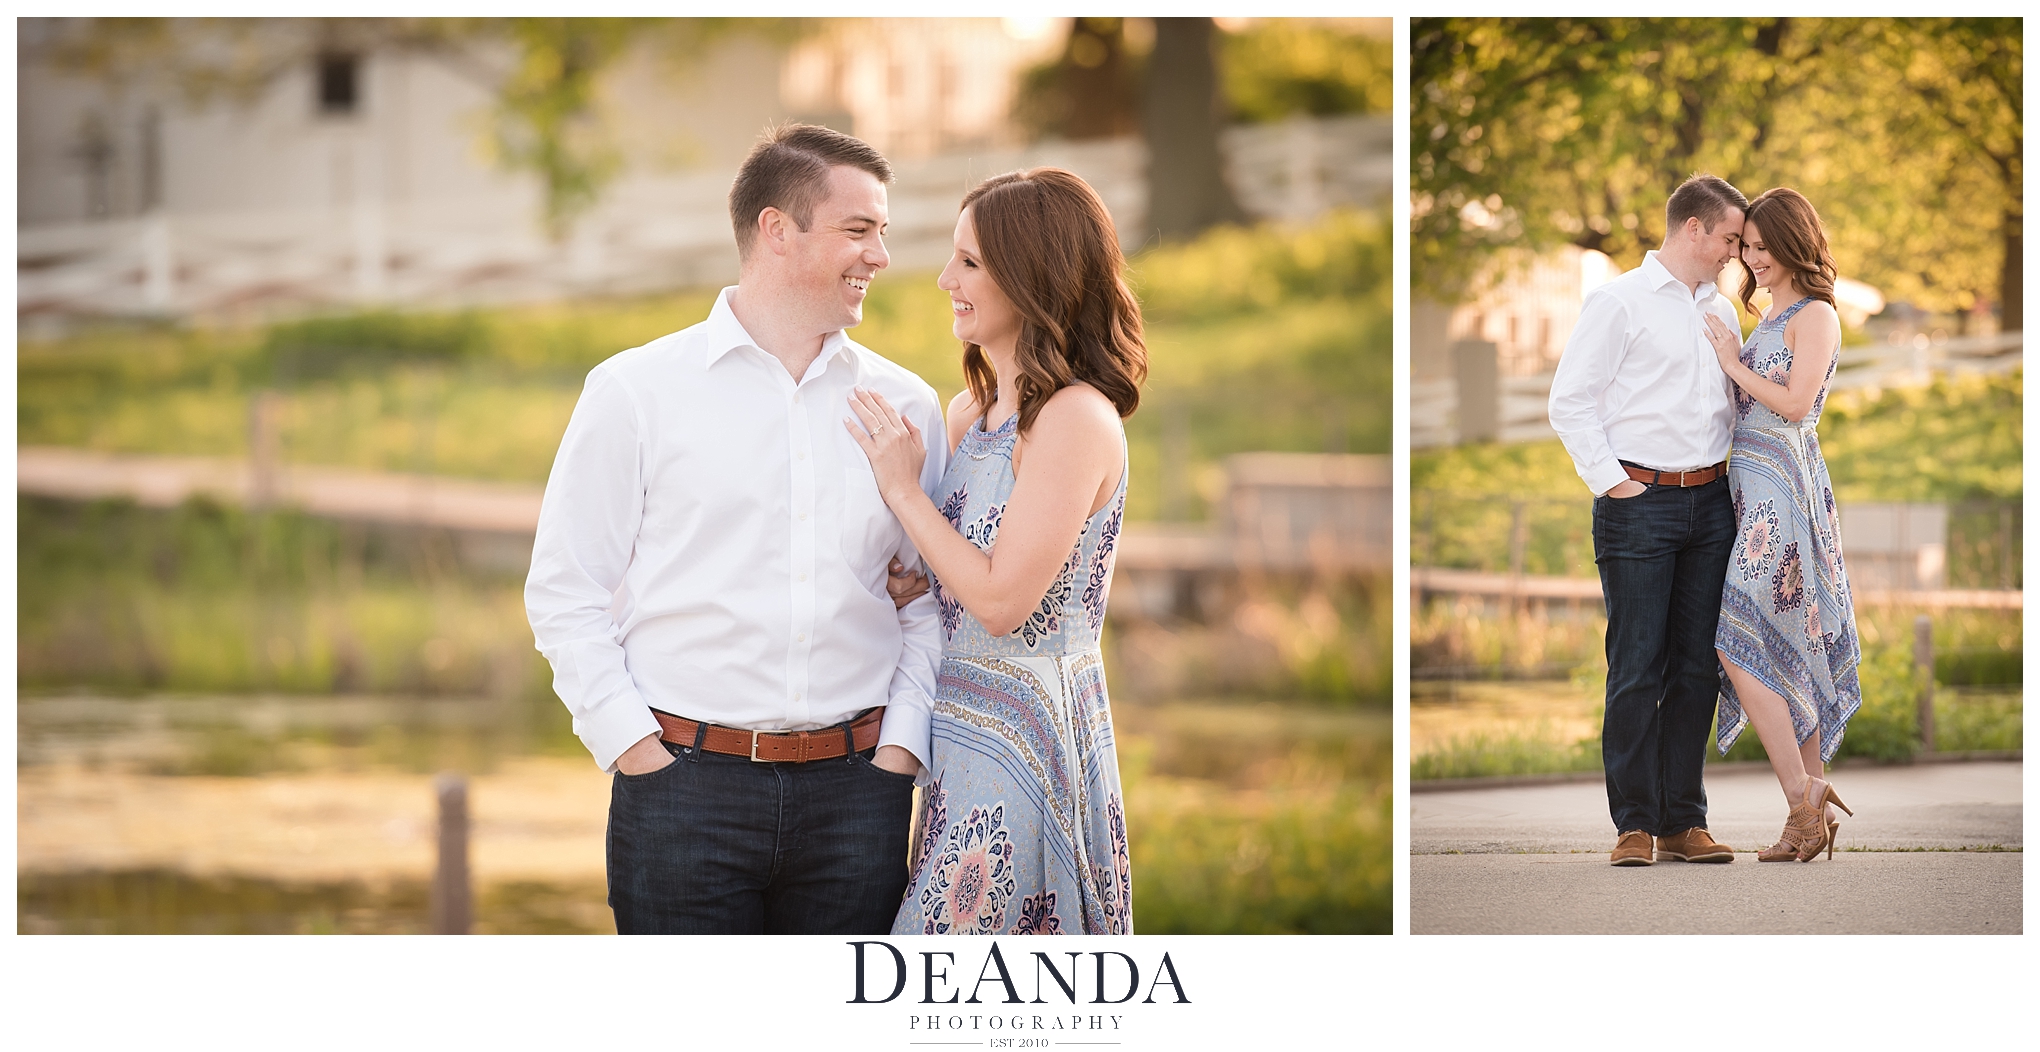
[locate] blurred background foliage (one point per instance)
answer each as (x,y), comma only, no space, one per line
(1533,132)
(1275,338)
(1958,438)
(1268,70)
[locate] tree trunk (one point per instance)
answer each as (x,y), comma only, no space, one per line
(2012,277)
(1187,192)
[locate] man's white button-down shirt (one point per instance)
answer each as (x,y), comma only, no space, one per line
(1638,380)
(713,545)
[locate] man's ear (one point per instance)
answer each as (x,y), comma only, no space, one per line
(774,229)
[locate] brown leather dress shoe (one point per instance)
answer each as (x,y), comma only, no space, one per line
(1633,849)
(1693,845)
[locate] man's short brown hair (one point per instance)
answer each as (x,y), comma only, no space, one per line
(1703,197)
(789,170)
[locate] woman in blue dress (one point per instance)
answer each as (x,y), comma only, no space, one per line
(1024,826)
(1787,634)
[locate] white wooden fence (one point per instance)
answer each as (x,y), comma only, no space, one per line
(648,233)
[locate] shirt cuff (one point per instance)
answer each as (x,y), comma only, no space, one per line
(611,730)
(907,725)
(1604,476)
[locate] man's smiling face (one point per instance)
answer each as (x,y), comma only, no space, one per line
(1723,241)
(833,261)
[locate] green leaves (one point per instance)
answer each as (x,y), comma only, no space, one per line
(546,120)
(1532,133)
(1284,67)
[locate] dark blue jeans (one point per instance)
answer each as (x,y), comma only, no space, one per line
(1663,555)
(718,845)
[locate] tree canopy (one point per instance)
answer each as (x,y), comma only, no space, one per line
(1905,133)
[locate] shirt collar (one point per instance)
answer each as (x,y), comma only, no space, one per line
(725,334)
(1655,272)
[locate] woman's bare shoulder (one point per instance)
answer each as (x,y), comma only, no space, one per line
(1081,400)
(1079,413)
(1816,318)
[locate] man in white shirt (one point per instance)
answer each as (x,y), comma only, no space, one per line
(1645,410)
(709,581)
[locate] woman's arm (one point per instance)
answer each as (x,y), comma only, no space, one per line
(1814,335)
(1072,449)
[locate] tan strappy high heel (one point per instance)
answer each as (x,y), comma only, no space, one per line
(1805,832)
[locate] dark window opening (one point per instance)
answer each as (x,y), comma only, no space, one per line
(339,83)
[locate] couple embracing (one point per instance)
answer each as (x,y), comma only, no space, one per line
(1715,527)
(722,578)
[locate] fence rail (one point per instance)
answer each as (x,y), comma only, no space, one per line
(1432,580)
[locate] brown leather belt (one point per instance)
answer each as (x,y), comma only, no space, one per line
(1696,477)
(773,746)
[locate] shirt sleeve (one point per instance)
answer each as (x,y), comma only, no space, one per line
(587,529)
(1585,370)
(910,701)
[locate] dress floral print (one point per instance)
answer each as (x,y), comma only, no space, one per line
(1023,823)
(972,878)
(1786,614)
(1759,535)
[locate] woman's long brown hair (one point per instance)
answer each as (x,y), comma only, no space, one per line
(1049,244)
(1793,236)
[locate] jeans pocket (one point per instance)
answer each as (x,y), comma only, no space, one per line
(673,750)
(1620,523)
(902,779)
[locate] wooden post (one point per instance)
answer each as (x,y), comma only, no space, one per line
(1519,538)
(1923,676)
(264,448)
(1175,462)
(2005,546)
(452,892)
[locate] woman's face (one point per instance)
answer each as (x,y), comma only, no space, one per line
(1757,257)
(980,312)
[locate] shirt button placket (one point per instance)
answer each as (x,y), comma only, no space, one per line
(800,439)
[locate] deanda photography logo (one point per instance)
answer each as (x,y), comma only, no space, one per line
(1040,992)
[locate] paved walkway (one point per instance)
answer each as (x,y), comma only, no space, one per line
(1933,848)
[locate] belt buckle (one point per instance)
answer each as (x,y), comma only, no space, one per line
(754,749)
(1682,479)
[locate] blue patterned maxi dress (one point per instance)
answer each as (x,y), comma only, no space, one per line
(1023,827)
(1786,616)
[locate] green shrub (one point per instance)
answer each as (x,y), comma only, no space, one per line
(1507,755)
(1232,270)
(319,348)
(1293,862)
(1979,722)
